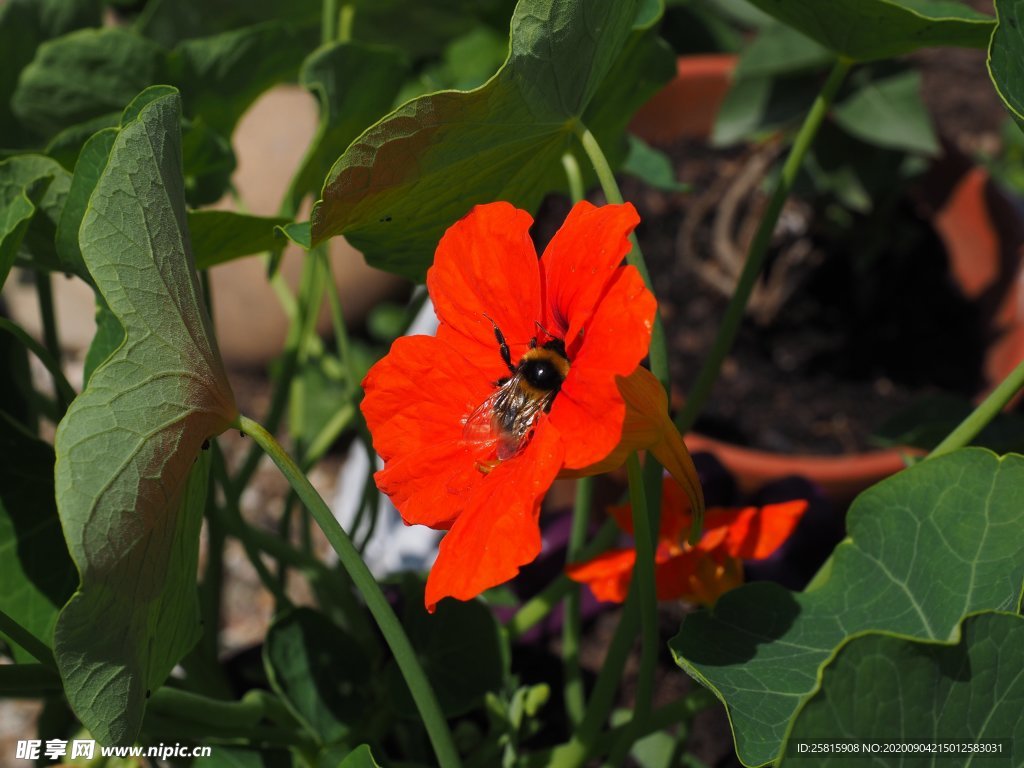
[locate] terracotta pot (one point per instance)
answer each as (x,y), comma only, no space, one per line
(688,105)
(983,234)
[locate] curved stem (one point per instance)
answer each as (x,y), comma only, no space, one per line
(574,177)
(644,536)
(658,351)
(758,249)
(330,16)
(643,585)
(987,410)
(584,740)
(397,640)
(573,620)
(232,512)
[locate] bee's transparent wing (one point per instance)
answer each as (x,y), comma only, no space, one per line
(481,426)
(501,421)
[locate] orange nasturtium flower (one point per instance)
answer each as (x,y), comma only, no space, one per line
(534,372)
(700,573)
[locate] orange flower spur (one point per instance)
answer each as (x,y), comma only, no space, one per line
(700,573)
(534,372)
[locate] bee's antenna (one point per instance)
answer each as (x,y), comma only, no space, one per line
(543,330)
(506,354)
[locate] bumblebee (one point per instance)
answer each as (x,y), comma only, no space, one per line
(506,418)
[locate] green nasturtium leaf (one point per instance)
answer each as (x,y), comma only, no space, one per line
(321,674)
(130,490)
(865,30)
(461,647)
(779,49)
(108,337)
(757,105)
(927,547)
(84,75)
(888,112)
(209,162)
(171,21)
(222,75)
(91,162)
(360,757)
(24,24)
(410,176)
(220,236)
(1006,57)
(427,26)
(297,232)
(355,85)
(33,189)
(35,569)
(652,166)
(892,689)
(67,145)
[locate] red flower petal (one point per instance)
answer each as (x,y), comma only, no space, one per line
(486,265)
(579,262)
(418,394)
(416,398)
(428,485)
(497,530)
(675,518)
(590,410)
(673,574)
(755,532)
(608,575)
(647,426)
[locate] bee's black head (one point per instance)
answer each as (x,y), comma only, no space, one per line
(542,374)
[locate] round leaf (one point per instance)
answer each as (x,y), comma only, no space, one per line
(926,547)
(129,500)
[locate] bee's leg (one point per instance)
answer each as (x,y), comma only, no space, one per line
(506,354)
(533,343)
(501,382)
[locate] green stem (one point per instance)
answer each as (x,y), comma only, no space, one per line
(32,644)
(212,585)
(65,392)
(28,680)
(659,350)
(989,408)
(574,176)
(405,657)
(643,579)
(159,727)
(575,704)
(272,585)
(330,11)
(345,22)
(758,249)
(311,295)
(329,432)
(44,289)
(341,338)
(538,607)
(584,741)
(193,715)
(281,385)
